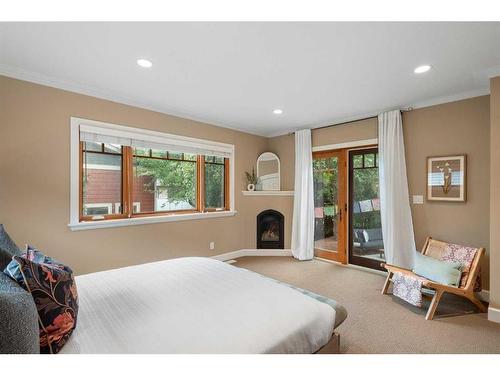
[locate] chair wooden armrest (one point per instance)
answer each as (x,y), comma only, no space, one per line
(392,268)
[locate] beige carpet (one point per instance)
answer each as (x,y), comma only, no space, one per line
(379,323)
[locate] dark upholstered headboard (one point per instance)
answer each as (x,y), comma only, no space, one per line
(18,319)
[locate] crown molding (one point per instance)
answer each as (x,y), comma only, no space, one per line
(450,98)
(416,105)
(61,84)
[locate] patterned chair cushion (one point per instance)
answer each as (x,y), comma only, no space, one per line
(454,253)
(53,289)
(461,254)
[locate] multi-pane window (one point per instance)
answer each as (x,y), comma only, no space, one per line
(215,172)
(102,181)
(164,181)
(365,161)
(125,181)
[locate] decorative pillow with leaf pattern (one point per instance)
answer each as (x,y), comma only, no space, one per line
(53,289)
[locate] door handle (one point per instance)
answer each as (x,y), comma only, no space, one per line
(340,214)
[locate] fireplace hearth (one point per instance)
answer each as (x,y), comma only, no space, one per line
(270,230)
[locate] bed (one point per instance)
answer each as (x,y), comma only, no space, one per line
(199,305)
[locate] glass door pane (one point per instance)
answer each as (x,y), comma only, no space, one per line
(366,245)
(328,205)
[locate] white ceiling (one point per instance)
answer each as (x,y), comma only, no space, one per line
(235,74)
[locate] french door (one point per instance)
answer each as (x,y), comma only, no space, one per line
(330,205)
(347,207)
(366,245)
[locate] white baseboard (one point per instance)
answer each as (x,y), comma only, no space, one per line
(494,314)
(253,253)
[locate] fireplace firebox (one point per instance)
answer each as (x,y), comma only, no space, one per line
(270,230)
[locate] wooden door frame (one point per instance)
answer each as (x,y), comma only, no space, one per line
(341,254)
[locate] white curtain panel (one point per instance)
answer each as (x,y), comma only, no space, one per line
(397,224)
(303,204)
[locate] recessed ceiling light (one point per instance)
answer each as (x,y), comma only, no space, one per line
(278,111)
(144,63)
(422,69)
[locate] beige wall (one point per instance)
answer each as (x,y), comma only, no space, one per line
(454,128)
(34,172)
(34,187)
(494,190)
(449,129)
(364,129)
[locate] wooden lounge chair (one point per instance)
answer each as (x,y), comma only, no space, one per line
(433,249)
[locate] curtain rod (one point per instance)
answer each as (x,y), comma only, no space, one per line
(351,121)
(347,122)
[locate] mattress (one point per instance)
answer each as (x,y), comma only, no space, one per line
(195,305)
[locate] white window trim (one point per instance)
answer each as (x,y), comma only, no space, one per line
(75,223)
(85,225)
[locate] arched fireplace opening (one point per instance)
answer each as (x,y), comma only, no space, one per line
(270,230)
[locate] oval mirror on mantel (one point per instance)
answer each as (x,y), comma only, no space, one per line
(268,172)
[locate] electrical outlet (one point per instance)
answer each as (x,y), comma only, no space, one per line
(211,245)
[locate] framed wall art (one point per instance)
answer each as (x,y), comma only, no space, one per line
(446,178)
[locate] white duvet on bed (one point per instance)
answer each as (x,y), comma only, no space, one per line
(195,305)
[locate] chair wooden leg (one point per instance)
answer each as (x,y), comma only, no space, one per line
(433,305)
(387,282)
(477,302)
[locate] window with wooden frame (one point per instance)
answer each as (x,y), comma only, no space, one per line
(123,175)
(102,180)
(164,181)
(215,186)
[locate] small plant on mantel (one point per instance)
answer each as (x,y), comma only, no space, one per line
(251,180)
